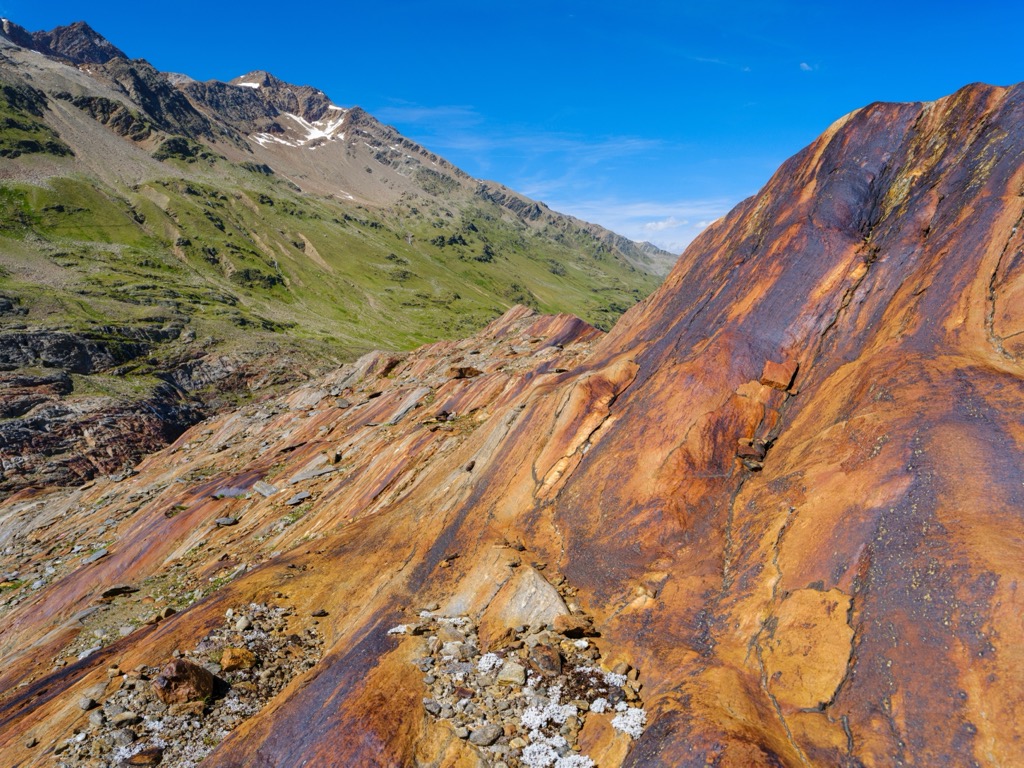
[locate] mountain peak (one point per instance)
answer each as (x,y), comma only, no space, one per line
(77,43)
(259,78)
(16,33)
(304,100)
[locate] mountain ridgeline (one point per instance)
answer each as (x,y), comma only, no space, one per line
(168,245)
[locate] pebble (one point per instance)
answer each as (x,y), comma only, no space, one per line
(236,658)
(319,613)
(242,624)
(86,703)
(511,672)
(150,756)
(225,521)
(123,737)
(125,718)
(486,735)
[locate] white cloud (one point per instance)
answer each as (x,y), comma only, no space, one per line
(662,224)
(805,67)
(446,115)
(671,225)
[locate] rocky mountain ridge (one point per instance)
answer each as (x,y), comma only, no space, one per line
(777,506)
(77,43)
(238,108)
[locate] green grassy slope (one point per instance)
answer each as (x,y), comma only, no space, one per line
(251,258)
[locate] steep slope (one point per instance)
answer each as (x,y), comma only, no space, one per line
(170,245)
(785,490)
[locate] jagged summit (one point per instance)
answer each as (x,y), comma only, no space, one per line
(307,102)
(77,43)
(260,78)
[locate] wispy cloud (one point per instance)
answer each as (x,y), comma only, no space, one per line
(448,115)
(805,67)
(574,174)
(671,225)
(464,136)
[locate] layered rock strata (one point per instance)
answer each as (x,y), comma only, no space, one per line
(844,595)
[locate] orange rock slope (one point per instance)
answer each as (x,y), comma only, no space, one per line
(787,489)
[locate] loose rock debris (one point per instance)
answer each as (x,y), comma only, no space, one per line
(168,716)
(524,704)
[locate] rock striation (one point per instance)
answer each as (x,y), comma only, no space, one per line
(843,593)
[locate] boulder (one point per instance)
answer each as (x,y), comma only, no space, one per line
(527,599)
(182,681)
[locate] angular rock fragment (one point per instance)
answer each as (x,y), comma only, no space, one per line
(237,658)
(511,672)
(546,659)
(779,375)
(298,498)
(751,449)
(264,488)
(148,756)
(575,626)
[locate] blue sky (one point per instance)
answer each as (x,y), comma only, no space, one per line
(651,118)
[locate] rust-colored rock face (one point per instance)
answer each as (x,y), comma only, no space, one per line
(809,566)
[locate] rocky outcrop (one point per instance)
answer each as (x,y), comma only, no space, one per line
(52,436)
(100,349)
(309,103)
(159,100)
(521,207)
(121,118)
(20,393)
(246,108)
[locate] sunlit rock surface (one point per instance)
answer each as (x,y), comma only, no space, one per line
(842,592)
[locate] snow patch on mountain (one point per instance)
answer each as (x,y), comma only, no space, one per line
(303,133)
